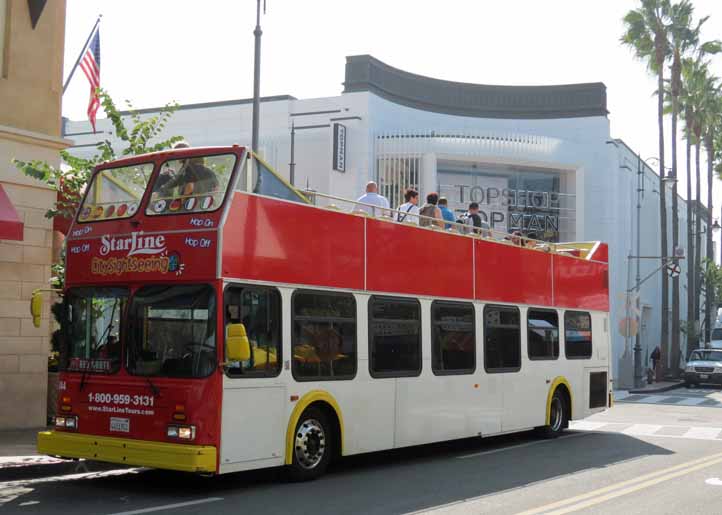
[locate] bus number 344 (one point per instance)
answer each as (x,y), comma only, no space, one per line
(117,398)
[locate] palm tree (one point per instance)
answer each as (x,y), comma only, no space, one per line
(646,33)
(684,40)
(692,75)
(711,109)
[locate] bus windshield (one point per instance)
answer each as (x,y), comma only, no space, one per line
(197,184)
(172,331)
(92,339)
(115,193)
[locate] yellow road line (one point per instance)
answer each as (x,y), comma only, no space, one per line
(624,487)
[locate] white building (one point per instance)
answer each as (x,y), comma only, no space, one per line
(537,158)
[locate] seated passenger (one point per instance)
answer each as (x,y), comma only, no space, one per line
(372,198)
(430,212)
(446,213)
(192,178)
(409,208)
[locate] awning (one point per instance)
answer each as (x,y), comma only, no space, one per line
(11,228)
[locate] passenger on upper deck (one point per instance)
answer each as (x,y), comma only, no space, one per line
(429,211)
(471,219)
(192,178)
(409,208)
(446,213)
(372,197)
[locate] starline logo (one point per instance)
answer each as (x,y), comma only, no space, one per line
(136,243)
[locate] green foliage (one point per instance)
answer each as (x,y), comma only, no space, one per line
(712,276)
(141,137)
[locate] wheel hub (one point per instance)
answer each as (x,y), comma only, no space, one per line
(310,444)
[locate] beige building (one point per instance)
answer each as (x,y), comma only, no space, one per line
(31,67)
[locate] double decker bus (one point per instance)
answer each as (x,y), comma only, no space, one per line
(217,320)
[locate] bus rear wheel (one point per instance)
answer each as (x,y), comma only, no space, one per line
(558,416)
(312,446)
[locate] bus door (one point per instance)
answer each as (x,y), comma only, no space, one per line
(253,395)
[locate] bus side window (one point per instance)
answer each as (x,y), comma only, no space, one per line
(577,335)
(259,310)
(542,334)
(502,339)
(324,335)
(394,337)
(453,338)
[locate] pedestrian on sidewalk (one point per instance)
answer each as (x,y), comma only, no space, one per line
(654,358)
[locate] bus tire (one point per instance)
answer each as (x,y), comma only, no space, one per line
(558,415)
(313,445)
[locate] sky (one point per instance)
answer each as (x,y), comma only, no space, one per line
(157,51)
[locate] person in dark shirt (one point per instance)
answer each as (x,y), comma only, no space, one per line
(192,178)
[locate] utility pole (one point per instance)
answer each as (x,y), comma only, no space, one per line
(257,75)
(638,373)
(292,164)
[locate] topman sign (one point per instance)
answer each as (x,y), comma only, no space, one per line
(508,209)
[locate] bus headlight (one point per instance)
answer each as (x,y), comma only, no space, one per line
(182,432)
(67,422)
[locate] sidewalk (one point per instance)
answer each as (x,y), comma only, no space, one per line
(19,458)
(661,386)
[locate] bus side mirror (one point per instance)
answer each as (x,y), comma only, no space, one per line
(238,347)
(36,306)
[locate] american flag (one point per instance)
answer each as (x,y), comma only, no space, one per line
(91,67)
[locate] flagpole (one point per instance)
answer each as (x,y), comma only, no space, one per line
(82,52)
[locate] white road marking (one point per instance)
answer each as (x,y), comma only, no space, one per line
(642,429)
(690,401)
(652,399)
(586,425)
(702,432)
(169,506)
(714,481)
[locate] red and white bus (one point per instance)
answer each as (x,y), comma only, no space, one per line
(218,321)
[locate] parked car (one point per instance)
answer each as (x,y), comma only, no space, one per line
(703,366)
(716,338)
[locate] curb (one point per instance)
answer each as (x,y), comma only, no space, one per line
(657,390)
(63,468)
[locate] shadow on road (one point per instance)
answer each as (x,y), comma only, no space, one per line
(398,481)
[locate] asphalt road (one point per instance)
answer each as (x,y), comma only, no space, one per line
(636,458)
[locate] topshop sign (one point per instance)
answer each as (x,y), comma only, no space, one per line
(507,209)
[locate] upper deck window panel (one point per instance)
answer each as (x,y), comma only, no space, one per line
(115,193)
(270,184)
(191,185)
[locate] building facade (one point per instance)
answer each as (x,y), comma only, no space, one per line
(538,159)
(32,36)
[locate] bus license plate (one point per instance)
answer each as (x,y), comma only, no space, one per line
(120,424)
(703,376)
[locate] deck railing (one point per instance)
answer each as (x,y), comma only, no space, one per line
(354,207)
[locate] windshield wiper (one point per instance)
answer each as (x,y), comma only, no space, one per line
(153,388)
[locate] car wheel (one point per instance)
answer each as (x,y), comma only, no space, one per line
(558,416)
(312,446)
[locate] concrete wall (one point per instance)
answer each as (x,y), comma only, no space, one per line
(30,96)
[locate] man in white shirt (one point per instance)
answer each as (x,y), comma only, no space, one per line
(372,197)
(410,208)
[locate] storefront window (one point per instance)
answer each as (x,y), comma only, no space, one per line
(532,201)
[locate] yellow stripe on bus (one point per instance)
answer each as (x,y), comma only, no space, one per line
(301,405)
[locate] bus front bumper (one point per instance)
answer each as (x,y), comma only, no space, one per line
(139,453)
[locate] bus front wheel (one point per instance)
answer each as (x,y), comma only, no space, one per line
(312,446)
